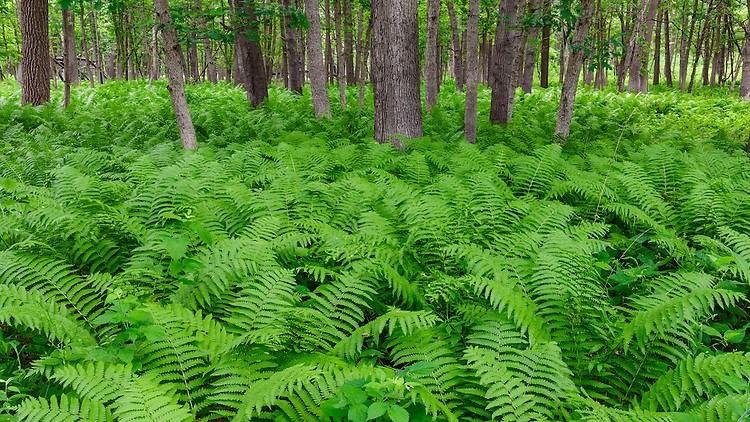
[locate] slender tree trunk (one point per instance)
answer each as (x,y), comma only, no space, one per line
(645,48)
(329,48)
(572,73)
(699,47)
(340,54)
(70,61)
(667,50)
(745,82)
(97,50)
(458,67)
(362,66)
(544,60)
(395,60)
(351,78)
(35,65)
(530,50)
(155,72)
(85,47)
(315,60)
(359,44)
(472,72)
(175,73)
(657,49)
(431,53)
(504,58)
(685,43)
(294,66)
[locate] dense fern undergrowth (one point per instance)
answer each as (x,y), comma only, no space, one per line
(293,269)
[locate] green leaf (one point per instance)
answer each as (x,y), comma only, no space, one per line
(398,413)
(358,413)
(354,395)
(734,336)
(376,410)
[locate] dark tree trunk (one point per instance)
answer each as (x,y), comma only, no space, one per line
(530,50)
(544,60)
(340,54)
(503,63)
(657,49)
(293,53)
(685,43)
(175,74)
(667,50)
(70,61)
(35,66)
(329,48)
(250,65)
(572,73)
(85,47)
(395,61)
(351,77)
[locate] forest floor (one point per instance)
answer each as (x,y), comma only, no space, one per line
(290,254)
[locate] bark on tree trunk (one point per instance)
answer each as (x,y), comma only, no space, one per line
(351,77)
(395,61)
(667,51)
(362,66)
(85,48)
(745,83)
(175,74)
(251,72)
(340,59)
(295,65)
(97,50)
(504,58)
(70,61)
(530,50)
(329,48)
(657,49)
(685,43)
(472,72)
(699,47)
(431,65)
(154,73)
(35,75)
(544,60)
(572,73)
(315,60)
(458,67)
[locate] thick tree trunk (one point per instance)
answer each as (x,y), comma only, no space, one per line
(251,72)
(431,65)
(315,60)
(745,82)
(294,57)
(395,61)
(472,72)
(70,61)
(175,74)
(35,74)
(572,73)
(458,67)
(636,58)
(530,50)
(340,59)
(503,63)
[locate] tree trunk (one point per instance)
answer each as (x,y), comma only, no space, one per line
(251,72)
(503,62)
(685,43)
(329,48)
(175,74)
(657,49)
(472,72)
(431,65)
(70,61)
(340,59)
(699,47)
(745,83)
(572,73)
(458,67)
(667,51)
(35,75)
(530,50)
(544,60)
(362,66)
(359,44)
(351,77)
(395,60)
(85,48)
(295,65)
(315,60)
(97,50)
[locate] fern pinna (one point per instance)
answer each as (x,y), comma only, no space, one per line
(296,277)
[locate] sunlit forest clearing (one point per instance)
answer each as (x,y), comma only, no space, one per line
(349,210)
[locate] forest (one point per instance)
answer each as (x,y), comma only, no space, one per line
(374,210)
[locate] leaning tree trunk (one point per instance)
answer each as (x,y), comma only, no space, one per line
(175,73)
(572,73)
(315,60)
(431,67)
(35,66)
(70,61)
(458,66)
(395,61)
(472,71)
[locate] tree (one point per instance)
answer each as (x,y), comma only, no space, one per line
(33,17)
(175,73)
(395,62)
(472,72)
(431,65)
(745,81)
(340,53)
(251,72)
(573,72)
(295,63)
(70,60)
(503,62)
(315,60)
(530,49)
(458,65)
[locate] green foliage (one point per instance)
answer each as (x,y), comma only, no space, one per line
(293,269)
